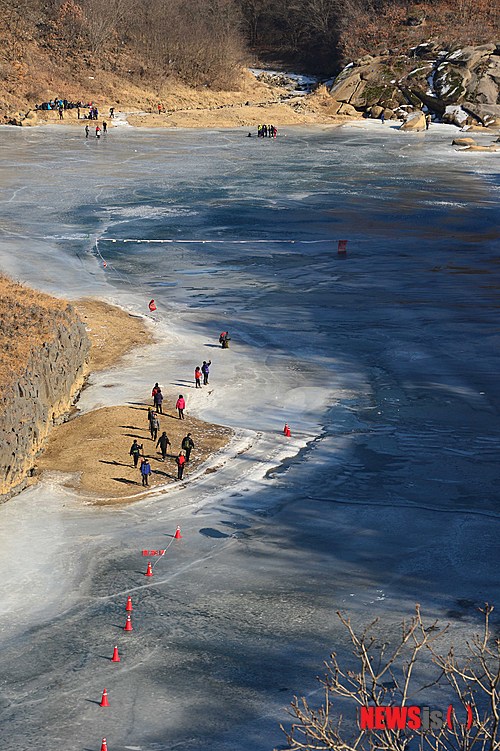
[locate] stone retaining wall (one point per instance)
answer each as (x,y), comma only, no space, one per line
(39,397)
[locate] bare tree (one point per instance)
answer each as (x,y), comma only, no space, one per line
(254,13)
(102,20)
(476,685)
(385,676)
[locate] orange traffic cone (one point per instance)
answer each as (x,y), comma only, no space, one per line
(286,431)
(128,625)
(177,535)
(104,745)
(104,700)
(116,656)
(128,606)
(149,571)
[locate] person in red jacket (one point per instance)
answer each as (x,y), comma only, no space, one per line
(180,406)
(155,390)
(197,377)
(181,461)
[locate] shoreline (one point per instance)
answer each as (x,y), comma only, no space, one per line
(224,117)
(186,120)
(86,452)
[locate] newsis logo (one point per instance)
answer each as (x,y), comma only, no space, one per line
(409,718)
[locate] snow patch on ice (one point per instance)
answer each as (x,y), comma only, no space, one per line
(147,212)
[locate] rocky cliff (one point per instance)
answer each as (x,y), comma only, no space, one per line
(459,86)
(42,368)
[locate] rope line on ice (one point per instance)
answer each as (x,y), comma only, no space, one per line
(341,250)
(107,264)
(212,242)
(159,559)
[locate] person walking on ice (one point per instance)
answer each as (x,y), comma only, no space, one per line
(135,451)
(181,461)
(197,377)
(205,369)
(145,471)
(163,443)
(180,406)
(187,445)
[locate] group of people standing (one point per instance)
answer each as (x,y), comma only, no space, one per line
(267,131)
(163,441)
(97,129)
(202,372)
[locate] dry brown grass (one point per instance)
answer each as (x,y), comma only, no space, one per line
(28,319)
(112,332)
(251,103)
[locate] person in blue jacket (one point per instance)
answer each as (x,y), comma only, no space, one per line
(145,471)
(205,369)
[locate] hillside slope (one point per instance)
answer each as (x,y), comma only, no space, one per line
(459,86)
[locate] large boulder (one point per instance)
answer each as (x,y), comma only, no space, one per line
(484,113)
(342,90)
(455,115)
(425,50)
(492,147)
(468,56)
(348,109)
(477,129)
(414,122)
(486,90)
(450,82)
(30,119)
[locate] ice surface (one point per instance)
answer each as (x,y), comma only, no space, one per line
(385,364)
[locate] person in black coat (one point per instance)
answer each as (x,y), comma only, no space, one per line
(163,443)
(187,445)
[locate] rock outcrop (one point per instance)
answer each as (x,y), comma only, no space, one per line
(40,376)
(460,86)
(415,121)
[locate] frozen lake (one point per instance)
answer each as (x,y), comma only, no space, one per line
(384,363)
